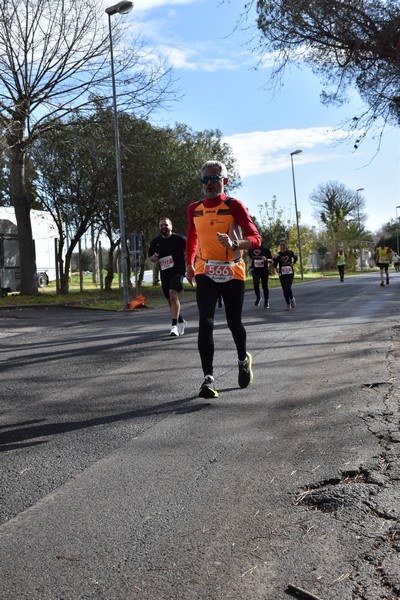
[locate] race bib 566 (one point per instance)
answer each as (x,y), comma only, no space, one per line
(219,270)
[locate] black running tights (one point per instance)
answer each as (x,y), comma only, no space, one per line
(207,292)
(286,283)
(261,275)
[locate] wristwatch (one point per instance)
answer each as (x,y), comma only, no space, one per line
(235,244)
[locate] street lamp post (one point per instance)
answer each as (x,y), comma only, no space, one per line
(397,231)
(297,214)
(121,8)
(359,225)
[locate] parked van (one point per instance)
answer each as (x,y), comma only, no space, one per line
(44,233)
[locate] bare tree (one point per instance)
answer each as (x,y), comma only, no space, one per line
(348,44)
(54,56)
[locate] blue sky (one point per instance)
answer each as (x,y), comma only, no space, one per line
(224,87)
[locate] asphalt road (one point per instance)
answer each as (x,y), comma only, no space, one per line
(118,483)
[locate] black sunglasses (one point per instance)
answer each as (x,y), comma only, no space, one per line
(211,179)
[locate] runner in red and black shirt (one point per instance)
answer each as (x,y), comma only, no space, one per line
(285,261)
(219,229)
(259,260)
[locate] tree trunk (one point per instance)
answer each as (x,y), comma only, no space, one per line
(20,202)
(60,261)
(110,268)
(156,274)
(64,278)
(95,256)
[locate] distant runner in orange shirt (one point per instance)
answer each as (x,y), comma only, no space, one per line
(219,229)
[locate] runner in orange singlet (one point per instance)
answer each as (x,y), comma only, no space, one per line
(219,228)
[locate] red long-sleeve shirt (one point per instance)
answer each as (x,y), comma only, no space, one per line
(240,215)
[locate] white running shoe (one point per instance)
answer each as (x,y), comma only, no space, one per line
(293,303)
(181,327)
(174,331)
(289,307)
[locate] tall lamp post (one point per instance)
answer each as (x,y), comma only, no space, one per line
(397,231)
(121,8)
(358,223)
(297,214)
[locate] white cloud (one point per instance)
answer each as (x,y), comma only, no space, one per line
(207,55)
(193,59)
(260,152)
(143,5)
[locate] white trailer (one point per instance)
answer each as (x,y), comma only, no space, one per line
(44,233)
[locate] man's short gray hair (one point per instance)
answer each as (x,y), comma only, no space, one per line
(223,171)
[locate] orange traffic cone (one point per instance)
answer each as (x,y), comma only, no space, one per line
(138,302)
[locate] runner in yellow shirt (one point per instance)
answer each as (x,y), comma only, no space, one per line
(382,258)
(340,258)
